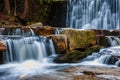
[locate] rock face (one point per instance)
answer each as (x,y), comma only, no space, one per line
(2,47)
(102,40)
(44,31)
(60,42)
(80,38)
(107,32)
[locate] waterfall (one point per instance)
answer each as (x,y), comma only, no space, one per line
(113,40)
(25,48)
(93,14)
(104,56)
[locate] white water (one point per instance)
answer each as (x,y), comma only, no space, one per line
(93,14)
(15,71)
(27,56)
(105,57)
(113,40)
(33,67)
(27,48)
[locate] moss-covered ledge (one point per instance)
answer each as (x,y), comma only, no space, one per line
(76,55)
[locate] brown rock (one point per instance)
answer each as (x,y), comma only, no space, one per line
(44,31)
(102,40)
(60,42)
(115,33)
(2,47)
(102,32)
(39,24)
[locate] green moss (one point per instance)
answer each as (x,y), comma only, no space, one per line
(49,1)
(75,55)
(80,38)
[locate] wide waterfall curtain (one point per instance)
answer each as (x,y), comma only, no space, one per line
(93,14)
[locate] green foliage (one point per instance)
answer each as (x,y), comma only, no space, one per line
(48,1)
(42,1)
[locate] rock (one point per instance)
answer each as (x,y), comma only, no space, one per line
(95,73)
(80,38)
(102,32)
(102,40)
(89,73)
(85,77)
(76,55)
(39,24)
(60,42)
(115,33)
(107,32)
(2,47)
(44,31)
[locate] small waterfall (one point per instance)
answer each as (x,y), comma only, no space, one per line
(113,40)
(117,63)
(93,14)
(19,31)
(25,48)
(106,56)
(52,47)
(105,59)
(32,32)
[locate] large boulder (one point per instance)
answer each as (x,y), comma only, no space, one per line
(78,39)
(60,42)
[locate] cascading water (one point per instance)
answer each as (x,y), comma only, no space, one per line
(103,57)
(28,56)
(27,48)
(113,40)
(93,14)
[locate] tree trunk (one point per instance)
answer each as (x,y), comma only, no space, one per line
(7,6)
(26,9)
(15,14)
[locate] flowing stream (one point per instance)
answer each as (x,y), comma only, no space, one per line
(29,56)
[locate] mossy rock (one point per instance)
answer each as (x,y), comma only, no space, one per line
(77,55)
(80,38)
